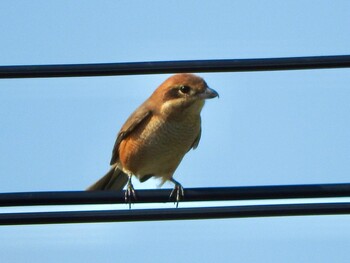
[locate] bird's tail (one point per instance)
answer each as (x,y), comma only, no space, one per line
(115,179)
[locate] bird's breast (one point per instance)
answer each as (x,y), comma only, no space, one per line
(158,147)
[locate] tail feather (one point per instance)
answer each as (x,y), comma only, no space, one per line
(115,179)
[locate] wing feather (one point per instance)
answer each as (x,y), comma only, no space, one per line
(138,117)
(198,138)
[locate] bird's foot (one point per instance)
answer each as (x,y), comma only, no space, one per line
(130,193)
(177,193)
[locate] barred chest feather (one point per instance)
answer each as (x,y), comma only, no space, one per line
(160,146)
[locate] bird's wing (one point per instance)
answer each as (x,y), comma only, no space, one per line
(139,116)
(198,138)
(196,141)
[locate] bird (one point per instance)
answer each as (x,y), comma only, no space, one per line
(157,135)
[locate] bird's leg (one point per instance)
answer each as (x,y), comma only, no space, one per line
(178,192)
(129,192)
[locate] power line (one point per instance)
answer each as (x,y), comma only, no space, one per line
(174,214)
(161,67)
(191,195)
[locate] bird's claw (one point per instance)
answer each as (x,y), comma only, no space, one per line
(130,194)
(177,193)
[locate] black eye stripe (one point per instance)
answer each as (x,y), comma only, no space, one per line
(172,94)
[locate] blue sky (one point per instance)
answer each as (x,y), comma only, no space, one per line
(267,128)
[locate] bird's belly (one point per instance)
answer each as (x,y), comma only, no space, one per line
(158,149)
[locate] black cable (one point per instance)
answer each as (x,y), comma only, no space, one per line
(161,67)
(174,214)
(191,195)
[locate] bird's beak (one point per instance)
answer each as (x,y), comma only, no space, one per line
(209,94)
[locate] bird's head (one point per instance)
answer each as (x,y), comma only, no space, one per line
(183,93)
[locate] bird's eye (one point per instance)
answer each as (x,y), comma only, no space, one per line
(185,89)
